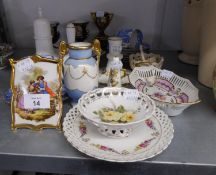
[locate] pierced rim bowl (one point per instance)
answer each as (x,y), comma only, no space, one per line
(170,92)
(131,99)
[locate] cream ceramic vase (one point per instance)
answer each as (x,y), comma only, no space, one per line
(191,27)
(208,43)
(80,69)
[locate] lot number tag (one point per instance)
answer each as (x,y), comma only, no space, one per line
(166,73)
(131,94)
(36,101)
(25,65)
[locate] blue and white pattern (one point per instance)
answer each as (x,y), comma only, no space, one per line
(80,73)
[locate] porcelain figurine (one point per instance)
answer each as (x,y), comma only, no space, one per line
(81,68)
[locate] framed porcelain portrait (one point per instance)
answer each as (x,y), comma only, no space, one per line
(36,85)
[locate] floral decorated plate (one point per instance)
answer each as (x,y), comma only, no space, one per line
(147,141)
(170,92)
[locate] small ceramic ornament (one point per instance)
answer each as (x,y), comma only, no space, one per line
(115,73)
(36,88)
(43,36)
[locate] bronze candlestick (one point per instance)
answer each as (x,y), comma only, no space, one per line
(102,23)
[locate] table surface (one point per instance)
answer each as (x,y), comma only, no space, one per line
(193,145)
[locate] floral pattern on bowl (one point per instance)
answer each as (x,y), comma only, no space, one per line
(131,99)
(170,92)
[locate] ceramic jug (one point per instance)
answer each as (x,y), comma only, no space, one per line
(81,68)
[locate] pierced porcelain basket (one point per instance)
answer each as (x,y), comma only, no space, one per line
(171,93)
(131,99)
(156,60)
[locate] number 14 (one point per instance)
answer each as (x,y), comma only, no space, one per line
(36,103)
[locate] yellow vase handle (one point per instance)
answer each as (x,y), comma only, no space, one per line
(63,49)
(96,47)
(123,73)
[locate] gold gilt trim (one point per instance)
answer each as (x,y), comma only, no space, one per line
(96,47)
(82,58)
(63,47)
(36,59)
(84,72)
(71,46)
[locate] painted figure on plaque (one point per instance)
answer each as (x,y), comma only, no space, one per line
(35,84)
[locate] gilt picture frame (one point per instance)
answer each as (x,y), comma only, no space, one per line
(36,85)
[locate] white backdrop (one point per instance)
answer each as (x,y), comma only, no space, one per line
(159,20)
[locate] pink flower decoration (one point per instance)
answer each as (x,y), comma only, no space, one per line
(149,123)
(103,148)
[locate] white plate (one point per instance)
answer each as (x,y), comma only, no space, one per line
(145,142)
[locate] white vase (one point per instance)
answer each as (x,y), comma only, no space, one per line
(191,27)
(208,43)
(80,69)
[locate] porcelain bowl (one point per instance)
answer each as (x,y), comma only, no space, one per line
(156,60)
(130,99)
(171,93)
